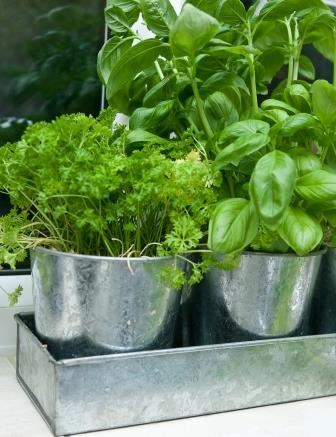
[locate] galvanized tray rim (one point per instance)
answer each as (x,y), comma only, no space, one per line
(162,352)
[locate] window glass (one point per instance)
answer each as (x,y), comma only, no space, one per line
(48,60)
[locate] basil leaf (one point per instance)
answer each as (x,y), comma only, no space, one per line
(300,231)
(142,136)
(227,11)
(306,68)
(159,15)
(133,61)
(117,21)
(231,12)
(129,7)
(324,102)
(305,161)
(192,30)
(109,54)
(161,91)
(233,226)
(151,118)
(278,104)
(275,115)
(272,60)
(275,9)
(239,149)
(297,123)
(246,127)
(221,81)
(272,186)
(219,108)
(317,186)
(298,96)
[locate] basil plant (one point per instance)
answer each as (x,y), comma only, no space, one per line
(238,81)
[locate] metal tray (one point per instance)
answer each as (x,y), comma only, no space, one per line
(93,393)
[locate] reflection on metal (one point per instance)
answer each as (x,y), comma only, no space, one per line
(266,296)
(110,391)
(117,303)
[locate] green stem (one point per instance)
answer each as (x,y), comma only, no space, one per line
(291,56)
(297,52)
(334,59)
(200,109)
(158,69)
(252,71)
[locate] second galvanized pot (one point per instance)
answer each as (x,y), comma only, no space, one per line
(111,304)
(267,296)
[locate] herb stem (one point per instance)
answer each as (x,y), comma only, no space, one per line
(252,71)
(334,59)
(297,52)
(200,107)
(159,70)
(291,56)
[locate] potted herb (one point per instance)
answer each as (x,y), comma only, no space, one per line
(209,71)
(108,227)
(282,193)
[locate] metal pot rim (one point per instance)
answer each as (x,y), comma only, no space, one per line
(102,258)
(286,255)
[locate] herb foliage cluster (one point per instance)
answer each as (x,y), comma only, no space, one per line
(210,71)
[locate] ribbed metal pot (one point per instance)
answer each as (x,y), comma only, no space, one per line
(267,296)
(324,303)
(118,304)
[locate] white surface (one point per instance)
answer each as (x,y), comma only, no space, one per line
(315,418)
(9,283)
(7,325)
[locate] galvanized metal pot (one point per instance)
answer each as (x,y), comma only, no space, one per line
(116,304)
(324,303)
(266,296)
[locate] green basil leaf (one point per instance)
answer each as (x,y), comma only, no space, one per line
(133,61)
(298,96)
(233,226)
(330,216)
(159,15)
(275,9)
(129,7)
(151,118)
(297,123)
(305,161)
(323,36)
(109,54)
(227,11)
(272,186)
(278,104)
(141,136)
(239,149)
(246,127)
(307,68)
(317,186)
(163,90)
(243,50)
(324,102)
(192,30)
(300,231)
(231,12)
(218,107)
(275,115)
(272,60)
(208,6)
(221,81)
(117,20)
